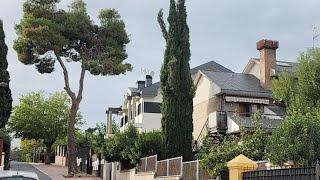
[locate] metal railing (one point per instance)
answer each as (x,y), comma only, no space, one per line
(203,133)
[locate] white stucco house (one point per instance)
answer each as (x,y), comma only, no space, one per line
(141,105)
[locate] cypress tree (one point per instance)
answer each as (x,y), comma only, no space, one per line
(176,83)
(5,92)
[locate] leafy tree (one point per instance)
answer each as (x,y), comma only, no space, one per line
(5,92)
(148,144)
(17,154)
(27,148)
(300,90)
(297,140)
(47,35)
(97,141)
(176,83)
(119,147)
(215,156)
(128,147)
(41,118)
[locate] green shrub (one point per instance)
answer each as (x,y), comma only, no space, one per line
(148,144)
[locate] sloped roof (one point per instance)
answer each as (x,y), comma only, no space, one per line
(210,66)
(152,90)
(281,66)
(238,84)
(285,66)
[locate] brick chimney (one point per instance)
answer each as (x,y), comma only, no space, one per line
(268,58)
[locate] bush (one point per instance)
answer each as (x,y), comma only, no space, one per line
(128,147)
(215,156)
(119,147)
(150,143)
(297,140)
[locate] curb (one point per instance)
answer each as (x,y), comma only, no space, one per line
(34,165)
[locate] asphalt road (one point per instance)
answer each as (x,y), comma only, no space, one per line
(19,166)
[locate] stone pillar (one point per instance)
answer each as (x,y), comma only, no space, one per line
(239,165)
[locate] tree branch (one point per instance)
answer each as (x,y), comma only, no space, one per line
(66,79)
(162,24)
(81,81)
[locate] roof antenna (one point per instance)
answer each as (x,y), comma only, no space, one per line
(315,34)
(145,72)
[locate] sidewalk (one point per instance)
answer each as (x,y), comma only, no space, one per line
(56,172)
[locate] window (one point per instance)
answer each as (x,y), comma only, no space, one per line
(151,107)
(125,119)
(139,109)
(245,109)
(121,122)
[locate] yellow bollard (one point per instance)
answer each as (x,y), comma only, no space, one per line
(239,165)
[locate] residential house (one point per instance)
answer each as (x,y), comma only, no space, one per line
(142,104)
(225,102)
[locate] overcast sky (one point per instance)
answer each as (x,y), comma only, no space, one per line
(224,31)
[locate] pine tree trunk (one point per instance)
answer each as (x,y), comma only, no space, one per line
(72,158)
(76,99)
(48,154)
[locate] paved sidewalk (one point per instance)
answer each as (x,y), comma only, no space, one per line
(56,172)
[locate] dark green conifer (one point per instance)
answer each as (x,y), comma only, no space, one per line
(5,92)
(176,83)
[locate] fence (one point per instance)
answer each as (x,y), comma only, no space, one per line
(148,164)
(173,167)
(298,173)
(169,167)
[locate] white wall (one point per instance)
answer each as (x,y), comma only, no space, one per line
(151,121)
(232,126)
(204,91)
(255,70)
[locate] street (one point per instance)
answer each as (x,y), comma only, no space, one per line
(19,166)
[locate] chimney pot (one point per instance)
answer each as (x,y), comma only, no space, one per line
(148,80)
(267,44)
(141,84)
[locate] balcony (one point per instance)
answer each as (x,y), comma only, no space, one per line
(231,122)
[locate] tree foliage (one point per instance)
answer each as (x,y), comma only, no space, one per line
(297,138)
(128,147)
(41,118)
(176,83)
(119,147)
(47,35)
(5,92)
(215,156)
(148,144)
(300,90)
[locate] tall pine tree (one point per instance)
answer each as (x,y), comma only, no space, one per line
(5,92)
(176,83)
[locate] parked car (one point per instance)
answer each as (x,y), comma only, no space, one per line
(18,175)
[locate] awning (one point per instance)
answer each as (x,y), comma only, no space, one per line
(247,100)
